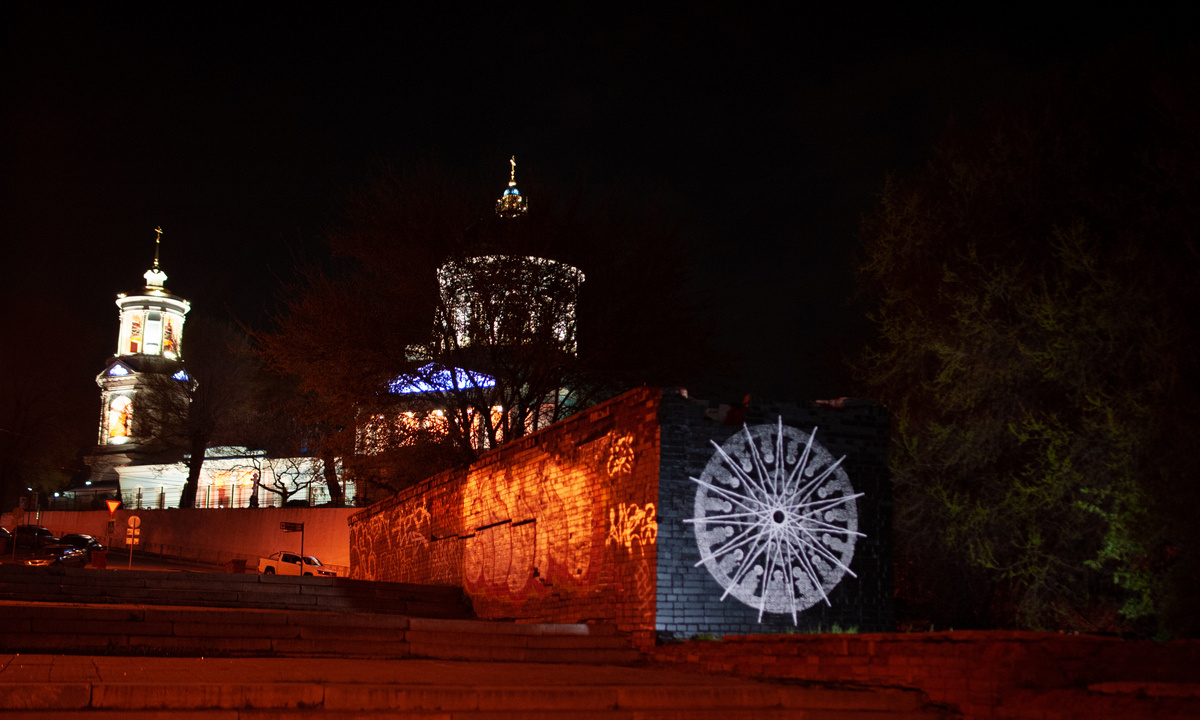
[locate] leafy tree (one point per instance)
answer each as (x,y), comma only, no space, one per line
(48,407)
(38,446)
(1033,290)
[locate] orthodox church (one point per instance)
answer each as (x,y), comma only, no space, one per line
(149,350)
(494,308)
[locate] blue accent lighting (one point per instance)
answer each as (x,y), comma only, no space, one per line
(435,378)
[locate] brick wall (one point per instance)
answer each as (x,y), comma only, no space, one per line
(591,519)
(689,598)
(557,526)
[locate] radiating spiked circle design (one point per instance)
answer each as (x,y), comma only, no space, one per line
(775,519)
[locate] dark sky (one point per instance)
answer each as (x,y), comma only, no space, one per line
(241,130)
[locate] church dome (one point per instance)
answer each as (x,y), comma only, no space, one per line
(512,203)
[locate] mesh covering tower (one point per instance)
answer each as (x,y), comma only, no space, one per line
(509,301)
(505,300)
(504,335)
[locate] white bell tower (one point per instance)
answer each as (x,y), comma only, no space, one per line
(149,341)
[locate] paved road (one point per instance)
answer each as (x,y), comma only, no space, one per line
(118,559)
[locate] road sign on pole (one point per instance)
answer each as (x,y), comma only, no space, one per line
(289,527)
(133,536)
(17,514)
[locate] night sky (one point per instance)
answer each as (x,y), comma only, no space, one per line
(241,132)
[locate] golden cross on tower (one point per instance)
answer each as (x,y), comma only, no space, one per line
(157,242)
(511,204)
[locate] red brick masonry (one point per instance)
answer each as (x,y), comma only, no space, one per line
(979,674)
(559,526)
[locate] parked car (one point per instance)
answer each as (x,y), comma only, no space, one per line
(5,540)
(56,555)
(34,536)
(289,563)
(86,543)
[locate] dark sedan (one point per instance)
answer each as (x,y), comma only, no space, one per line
(33,536)
(56,556)
(86,543)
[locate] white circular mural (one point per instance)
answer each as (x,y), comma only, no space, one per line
(775,519)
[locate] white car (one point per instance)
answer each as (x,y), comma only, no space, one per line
(289,563)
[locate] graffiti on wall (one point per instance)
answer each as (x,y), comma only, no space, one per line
(523,532)
(401,539)
(532,526)
(630,523)
(775,519)
(620,457)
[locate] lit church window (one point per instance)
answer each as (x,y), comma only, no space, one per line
(170,343)
(135,334)
(120,420)
(153,333)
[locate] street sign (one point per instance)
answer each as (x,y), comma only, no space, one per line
(112,505)
(295,527)
(133,536)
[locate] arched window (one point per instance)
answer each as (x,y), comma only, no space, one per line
(120,419)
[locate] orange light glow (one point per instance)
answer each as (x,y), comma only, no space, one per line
(629,523)
(559,544)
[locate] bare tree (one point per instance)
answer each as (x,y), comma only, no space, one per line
(434,314)
(284,477)
(183,408)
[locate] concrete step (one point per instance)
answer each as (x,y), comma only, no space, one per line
(233,632)
(41,686)
(753,713)
(88,585)
(1125,700)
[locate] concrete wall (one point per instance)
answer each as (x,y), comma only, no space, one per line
(213,535)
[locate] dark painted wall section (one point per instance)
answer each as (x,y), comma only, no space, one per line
(689,598)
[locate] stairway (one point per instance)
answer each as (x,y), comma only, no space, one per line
(286,689)
(275,592)
(142,645)
(248,632)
